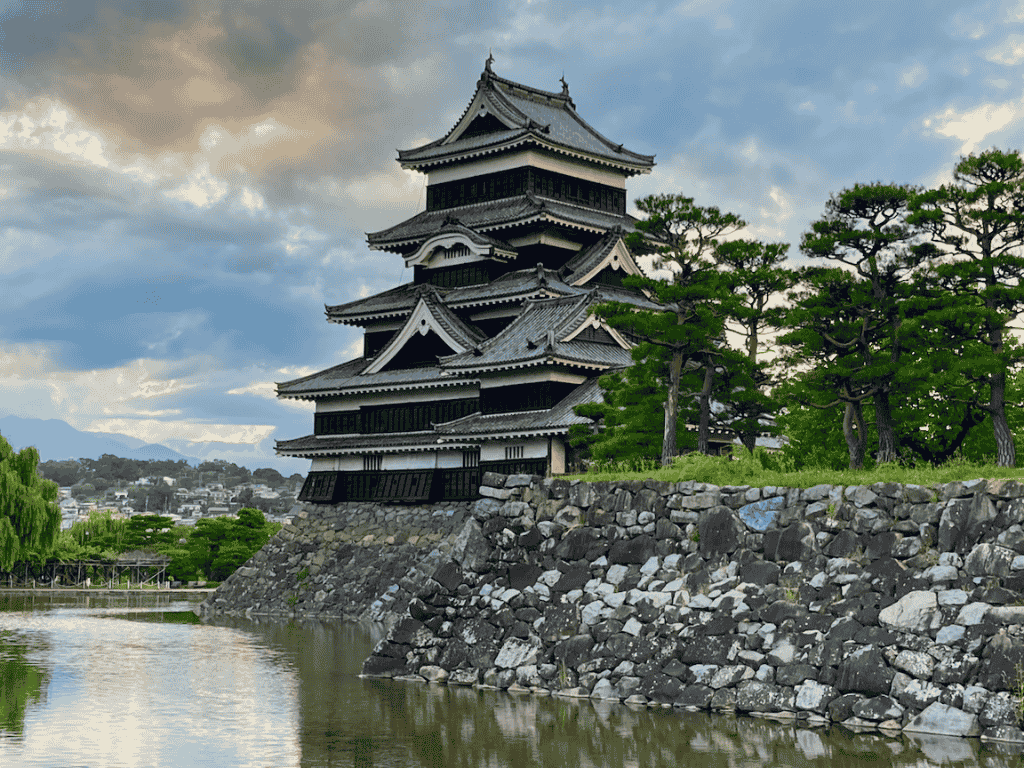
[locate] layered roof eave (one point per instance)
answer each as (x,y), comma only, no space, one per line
(496,215)
(529,114)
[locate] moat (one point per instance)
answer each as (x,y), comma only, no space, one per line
(136,680)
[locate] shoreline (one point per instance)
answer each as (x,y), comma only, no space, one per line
(94,590)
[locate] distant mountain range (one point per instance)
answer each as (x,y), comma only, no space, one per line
(57,440)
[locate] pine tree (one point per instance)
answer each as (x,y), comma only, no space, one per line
(694,294)
(978,220)
(865,229)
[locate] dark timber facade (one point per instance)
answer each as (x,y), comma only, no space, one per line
(477,364)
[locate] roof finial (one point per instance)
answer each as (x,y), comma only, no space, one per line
(565,85)
(490,60)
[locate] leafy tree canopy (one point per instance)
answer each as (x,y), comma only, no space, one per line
(29,516)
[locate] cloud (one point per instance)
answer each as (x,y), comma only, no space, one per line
(914,75)
(1009,52)
(972,126)
(156,431)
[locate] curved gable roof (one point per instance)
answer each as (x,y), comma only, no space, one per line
(429,314)
(528,115)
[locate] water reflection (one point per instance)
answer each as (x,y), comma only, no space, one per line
(232,692)
(21,682)
(347,721)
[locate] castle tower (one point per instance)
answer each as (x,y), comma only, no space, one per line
(476,365)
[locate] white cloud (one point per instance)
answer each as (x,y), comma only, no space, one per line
(1009,52)
(202,188)
(914,75)
(126,399)
(974,125)
(153,431)
(49,127)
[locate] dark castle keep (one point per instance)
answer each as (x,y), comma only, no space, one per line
(477,364)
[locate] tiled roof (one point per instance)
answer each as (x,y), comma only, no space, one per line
(495,426)
(461,331)
(521,284)
(541,117)
(397,301)
(533,338)
(345,377)
(588,258)
(496,215)
(401,442)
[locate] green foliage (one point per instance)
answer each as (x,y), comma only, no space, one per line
(29,515)
(99,537)
(217,546)
(761,469)
(149,532)
(63,473)
(978,222)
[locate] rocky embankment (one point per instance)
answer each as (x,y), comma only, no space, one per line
(880,607)
(352,561)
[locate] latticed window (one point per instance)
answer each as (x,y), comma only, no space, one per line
(471,458)
(372,462)
(513,452)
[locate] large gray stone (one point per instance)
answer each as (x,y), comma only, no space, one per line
(761,514)
(945,720)
(515,653)
(813,696)
(865,671)
(755,696)
(916,611)
(915,663)
(795,542)
(989,560)
(720,531)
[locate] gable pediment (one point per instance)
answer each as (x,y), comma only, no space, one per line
(430,325)
(597,330)
(617,259)
(483,116)
(457,244)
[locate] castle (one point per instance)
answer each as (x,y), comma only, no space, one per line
(477,364)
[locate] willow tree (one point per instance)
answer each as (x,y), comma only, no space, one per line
(29,515)
(978,220)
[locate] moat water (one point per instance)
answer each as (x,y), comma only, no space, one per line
(112,680)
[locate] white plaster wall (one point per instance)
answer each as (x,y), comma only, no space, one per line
(522,377)
(425,460)
(449,459)
(533,448)
(557,456)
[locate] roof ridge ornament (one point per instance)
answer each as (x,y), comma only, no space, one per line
(488,62)
(565,91)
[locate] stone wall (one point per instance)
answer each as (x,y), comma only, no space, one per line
(352,561)
(881,607)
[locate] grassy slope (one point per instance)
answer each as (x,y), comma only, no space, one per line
(761,470)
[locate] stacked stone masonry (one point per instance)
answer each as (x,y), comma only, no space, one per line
(883,607)
(354,560)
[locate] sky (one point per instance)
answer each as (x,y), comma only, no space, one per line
(185,185)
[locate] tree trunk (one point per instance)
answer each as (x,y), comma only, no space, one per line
(1006,451)
(704,428)
(886,432)
(749,440)
(669,447)
(853,431)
